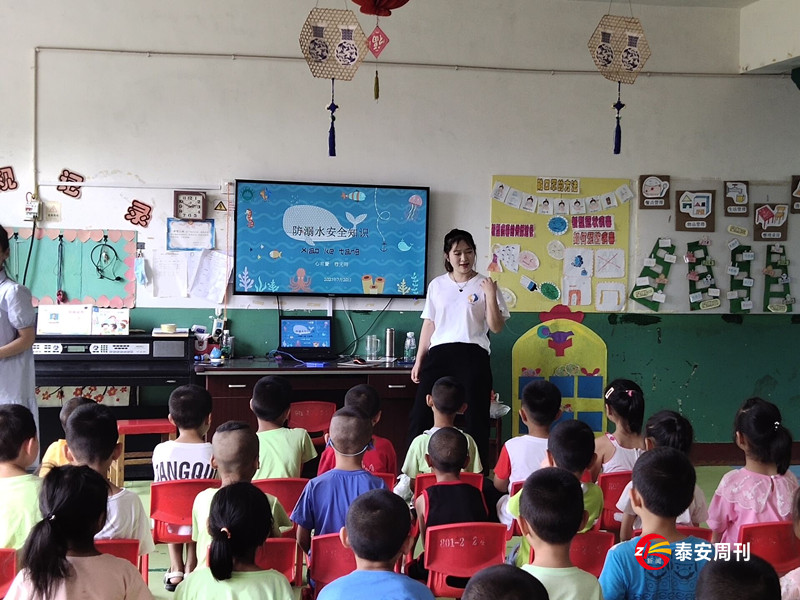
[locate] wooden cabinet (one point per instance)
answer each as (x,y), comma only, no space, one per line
(232,388)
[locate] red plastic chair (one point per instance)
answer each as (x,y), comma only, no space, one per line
(171,504)
(283,555)
(390,479)
(698,532)
(775,542)
(127,549)
(287,490)
(314,416)
(515,530)
(454,553)
(588,550)
(425,480)
(8,569)
(612,484)
(329,560)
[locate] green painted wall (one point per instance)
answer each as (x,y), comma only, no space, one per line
(700,365)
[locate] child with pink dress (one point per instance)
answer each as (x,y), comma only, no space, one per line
(762,491)
(790,583)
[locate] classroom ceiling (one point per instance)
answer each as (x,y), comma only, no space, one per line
(681,3)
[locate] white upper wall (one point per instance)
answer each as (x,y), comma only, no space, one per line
(768,39)
(127,119)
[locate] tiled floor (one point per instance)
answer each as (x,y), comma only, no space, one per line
(707,478)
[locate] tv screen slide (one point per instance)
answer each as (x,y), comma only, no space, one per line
(325,239)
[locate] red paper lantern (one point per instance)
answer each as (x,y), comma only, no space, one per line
(380,8)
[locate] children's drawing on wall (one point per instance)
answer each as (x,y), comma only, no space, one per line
(694,211)
(564,241)
(770,222)
(737,198)
(568,354)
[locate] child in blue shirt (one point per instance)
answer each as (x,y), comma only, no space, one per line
(378,529)
(663,487)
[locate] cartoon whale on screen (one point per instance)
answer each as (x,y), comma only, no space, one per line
(311,224)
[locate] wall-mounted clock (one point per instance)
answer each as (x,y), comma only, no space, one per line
(190,205)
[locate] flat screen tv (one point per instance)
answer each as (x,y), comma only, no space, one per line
(330,239)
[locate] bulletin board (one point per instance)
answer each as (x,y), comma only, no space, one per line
(561,240)
(82,254)
(737,255)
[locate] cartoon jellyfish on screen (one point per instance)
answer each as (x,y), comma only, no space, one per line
(414,203)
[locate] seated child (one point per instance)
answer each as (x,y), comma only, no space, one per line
(186,457)
(60,557)
(753,579)
(235,457)
(378,529)
(522,455)
(322,507)
(552,513)
(239,522)
(449,500)
(19,509)
(569,447)
(56,453)
(663,487)
(446,401)
(93,440)
(790,583)
(381,458)
(665,428)
(625,408)
(282,451)
(504,582)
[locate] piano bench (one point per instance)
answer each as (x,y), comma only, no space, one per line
(116,472)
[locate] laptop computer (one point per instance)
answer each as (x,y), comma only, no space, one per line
(307,339)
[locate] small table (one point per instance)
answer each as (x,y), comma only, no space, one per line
(116,472)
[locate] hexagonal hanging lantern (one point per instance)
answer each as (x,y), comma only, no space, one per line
(333,43)
(619,48)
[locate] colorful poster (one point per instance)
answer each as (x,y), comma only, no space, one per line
(560,240)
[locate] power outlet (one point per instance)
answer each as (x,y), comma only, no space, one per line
(33,209)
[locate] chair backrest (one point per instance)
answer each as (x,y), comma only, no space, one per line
(455,552)
(282,554)
(390,479)
(127,548)
(312,415)
(699,532)
(516,486)
(775,542)
(287,490)
(588,550)
(171,504)
(8,569)
(426,480)
(329,560)
(612,485)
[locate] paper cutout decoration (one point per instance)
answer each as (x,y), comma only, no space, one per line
(73,191)
(741,279)
(139,213)
(703,291)
(737,200)
(334,46)
(568,354)
(694,211)
(528,260)
(619,51)
(796,193)
(770,222)
(654,191)
(8,180)
(654,276)
(378,40)
(777,296)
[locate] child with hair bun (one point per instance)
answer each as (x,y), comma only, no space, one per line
(239,523)
(59,559)
(624,401)
(762,491)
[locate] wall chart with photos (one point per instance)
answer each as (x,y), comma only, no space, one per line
(561,240)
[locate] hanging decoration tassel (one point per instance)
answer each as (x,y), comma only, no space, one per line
(618,106)
(332,131)
(377,86)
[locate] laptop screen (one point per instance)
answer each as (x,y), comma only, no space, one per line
(305,337)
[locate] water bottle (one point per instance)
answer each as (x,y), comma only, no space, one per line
(225,344)
(410,352)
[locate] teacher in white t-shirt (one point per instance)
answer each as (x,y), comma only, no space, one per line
(461,307)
